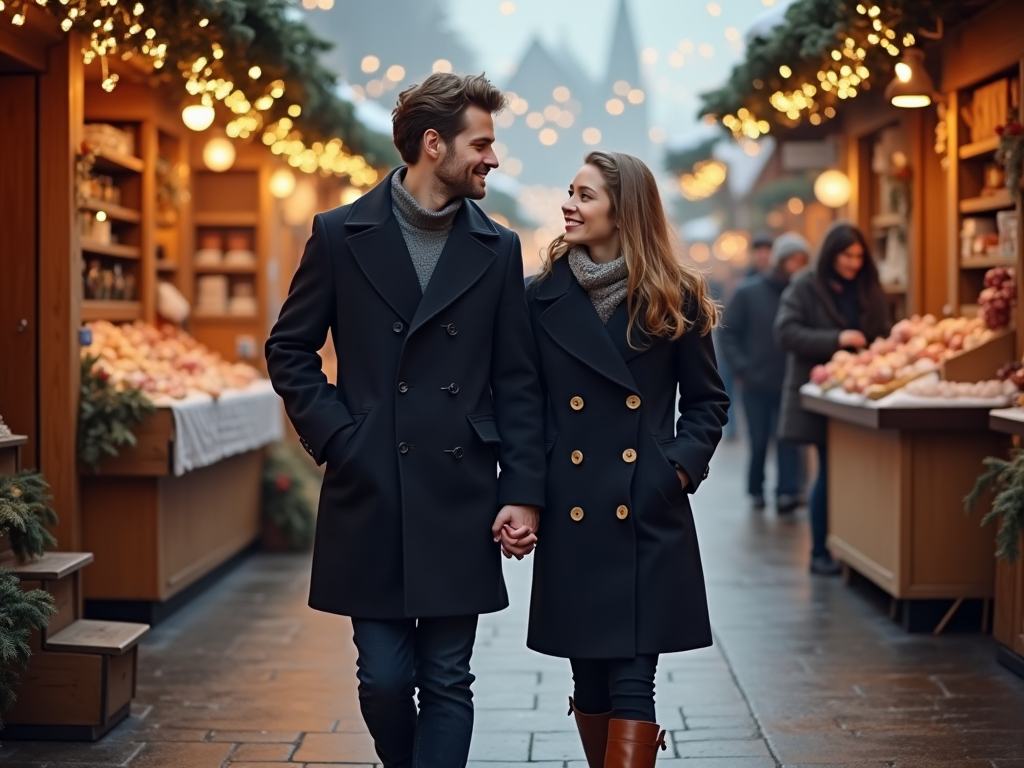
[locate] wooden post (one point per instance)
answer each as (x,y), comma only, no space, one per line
(60,118)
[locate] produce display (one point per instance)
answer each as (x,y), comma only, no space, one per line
(915,346)
(952,389)
(998,297)
(162,361)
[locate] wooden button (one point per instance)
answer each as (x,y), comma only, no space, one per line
(576,403)
(577,457)
(629,455)
(632,402)
(622,512)
(576,513)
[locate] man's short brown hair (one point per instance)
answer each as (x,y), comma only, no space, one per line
(440,102)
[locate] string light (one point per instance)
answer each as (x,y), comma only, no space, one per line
(707,177)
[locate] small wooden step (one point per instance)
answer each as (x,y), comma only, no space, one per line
(52,565)
(110,638)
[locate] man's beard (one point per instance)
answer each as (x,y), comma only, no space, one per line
(453,183)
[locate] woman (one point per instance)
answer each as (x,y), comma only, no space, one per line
(619,324)
(839,304)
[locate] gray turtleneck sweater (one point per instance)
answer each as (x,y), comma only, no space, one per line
(425,232)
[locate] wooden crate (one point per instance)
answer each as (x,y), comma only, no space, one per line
(982,362)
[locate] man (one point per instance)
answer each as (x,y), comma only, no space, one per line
(751,352)
(760,254)
(437,378)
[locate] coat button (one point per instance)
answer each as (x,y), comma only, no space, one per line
(403,387)
(398,327)
(576,403)
(403,448)
(622,512)
(629,455)
(576,513)
(577,457)
(456,452)
(452,388)
(452,329)
(632,402)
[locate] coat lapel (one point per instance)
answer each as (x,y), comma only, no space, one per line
(379,249)
(573,323)
(618,327)
(464,260)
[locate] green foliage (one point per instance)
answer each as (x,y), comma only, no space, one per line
(1006,480)
(812,29)
(24,511)
(20,613)
(106,415)
(291,482)
(780,191)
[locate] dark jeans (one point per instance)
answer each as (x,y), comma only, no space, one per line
(762,410)
(397,657)
(624,687)
(819,506)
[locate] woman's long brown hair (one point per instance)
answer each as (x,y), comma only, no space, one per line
(660,284)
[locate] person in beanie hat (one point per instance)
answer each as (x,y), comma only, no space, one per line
(750,350)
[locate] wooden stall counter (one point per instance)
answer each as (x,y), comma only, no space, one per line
(1008,621)
(181,504)
(897,479)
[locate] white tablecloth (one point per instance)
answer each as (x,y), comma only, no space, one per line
(208,430)
(903,399)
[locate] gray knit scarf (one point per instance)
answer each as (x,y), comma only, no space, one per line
(606,284)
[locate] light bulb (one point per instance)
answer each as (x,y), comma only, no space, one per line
(219,154)
(832,188)
(197,117)
(282,183)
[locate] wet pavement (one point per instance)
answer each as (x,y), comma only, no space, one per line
(805,672)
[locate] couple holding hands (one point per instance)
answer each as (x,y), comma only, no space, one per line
(447,363)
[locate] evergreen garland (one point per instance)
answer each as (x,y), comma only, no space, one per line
(24,511)
(1006,479)
(20,613)
(803,42)
(106,415)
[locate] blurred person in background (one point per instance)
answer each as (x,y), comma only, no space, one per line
(748,346)
(839,304)
(760,254)
(720,293)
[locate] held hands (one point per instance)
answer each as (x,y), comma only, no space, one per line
(516,528)
(853,339)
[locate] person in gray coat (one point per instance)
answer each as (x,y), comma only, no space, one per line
(838,304)
(749,347)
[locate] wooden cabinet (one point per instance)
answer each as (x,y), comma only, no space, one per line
(897,478)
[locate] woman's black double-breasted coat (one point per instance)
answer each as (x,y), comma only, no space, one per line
(617,570)
(433,388)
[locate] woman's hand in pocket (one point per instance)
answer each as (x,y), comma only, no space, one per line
(683,478)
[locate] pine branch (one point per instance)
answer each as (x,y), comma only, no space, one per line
(21,612)
(990,479)
(106,415)
(24,513)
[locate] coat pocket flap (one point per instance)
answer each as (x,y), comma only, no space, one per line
(485,428)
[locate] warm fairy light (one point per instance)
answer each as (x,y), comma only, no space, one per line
(732,34)
(395,73)
(370,64)
(535,120)
(198,117)
(350,194)
(565,119)
(676,60)
(833,188)
(700,252)
(255,72)
(785,71)
(551,112)
(101,215)
(441,65)
(548,137)
(614,107)
(591,136)
(707,177)
(282,183)
(714,9)
(657,134)
(219,154)
(706,50)
(513,166)
(795,206)
(507,8)
(649,56)
(635,96)
(561,94)
(621,87)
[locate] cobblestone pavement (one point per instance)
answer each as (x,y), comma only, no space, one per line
(804,672)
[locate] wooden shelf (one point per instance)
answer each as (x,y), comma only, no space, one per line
(52,565)
(110,638)
(987,262)
(887,220)
(226,218)
(109,162)
(13,441)
(166,266)
(225,269)
(115,311)
(998,202)
(979,148)
(111,249)
(233,319)
(115,212)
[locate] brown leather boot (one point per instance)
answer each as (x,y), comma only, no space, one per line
(633,744)
(593,733)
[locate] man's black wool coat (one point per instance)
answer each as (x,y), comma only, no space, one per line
(433,387)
